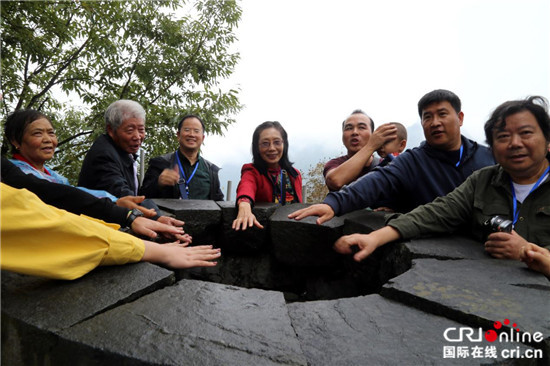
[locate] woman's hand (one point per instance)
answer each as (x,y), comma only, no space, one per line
(245,218)
(176,255)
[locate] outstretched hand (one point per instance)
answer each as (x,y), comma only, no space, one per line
(364,242)
(536,258)
(131,202)
(324,211)
(245,218)
(151,228)
(177,255)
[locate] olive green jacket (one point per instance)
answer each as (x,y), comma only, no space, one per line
(485,194)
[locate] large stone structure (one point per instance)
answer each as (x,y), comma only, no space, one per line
(281,296)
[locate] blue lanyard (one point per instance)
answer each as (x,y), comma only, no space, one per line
(460,157)
(515,204)
(184,180)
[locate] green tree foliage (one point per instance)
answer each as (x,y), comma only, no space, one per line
(71,59)
(316,189)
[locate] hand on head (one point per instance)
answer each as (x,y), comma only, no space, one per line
(383,134)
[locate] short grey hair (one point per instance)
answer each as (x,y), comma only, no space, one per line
(122,110)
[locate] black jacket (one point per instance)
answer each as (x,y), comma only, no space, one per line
(151,189)
(109,168)
(64,196)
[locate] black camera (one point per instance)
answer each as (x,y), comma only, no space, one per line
(498,224)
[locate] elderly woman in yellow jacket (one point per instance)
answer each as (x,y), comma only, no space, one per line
(41,240)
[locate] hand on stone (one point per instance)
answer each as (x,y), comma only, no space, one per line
(245,218)
(131,202)
(169,177)
(322,210)
(505,245)
(171,222)
(177,255)
(536,258)
(366,244)
(151,229)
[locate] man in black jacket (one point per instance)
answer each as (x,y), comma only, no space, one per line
(110,164)
(184,173)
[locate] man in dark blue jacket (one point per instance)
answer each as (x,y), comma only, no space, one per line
(418,175)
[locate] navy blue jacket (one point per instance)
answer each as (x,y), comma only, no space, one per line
(413,178)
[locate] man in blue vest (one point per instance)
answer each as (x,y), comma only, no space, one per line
(184,173)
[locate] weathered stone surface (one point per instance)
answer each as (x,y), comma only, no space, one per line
(260,271)
(303,243)
(447,247)
(371,330)
(477,292)
(54,305)
(190,323)
(250,241)
(34,308)
(363,221)
(202,217)
(396,258)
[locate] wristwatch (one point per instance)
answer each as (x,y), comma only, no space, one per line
(132,215)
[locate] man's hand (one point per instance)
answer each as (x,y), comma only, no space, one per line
(169,177)
(505,245)
(245,218)
(324,211)
(536,258)
(176,255)
(367,243)
(383,134)
(151,229)
(131,202)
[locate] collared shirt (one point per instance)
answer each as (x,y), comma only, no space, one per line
(199,186)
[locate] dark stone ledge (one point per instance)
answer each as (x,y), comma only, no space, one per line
(191,323)
(372,330)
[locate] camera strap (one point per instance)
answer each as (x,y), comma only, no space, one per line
(515,201)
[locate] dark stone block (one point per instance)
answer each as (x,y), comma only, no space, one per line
(260,271)
(250,241)
(35,308)
(363,221)
(202,217)
(447,247)
(396,258)
(371,330)
(477,293)
(191,323)
(56,304)
(304,243)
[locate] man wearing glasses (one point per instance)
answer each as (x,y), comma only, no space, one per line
(184,173)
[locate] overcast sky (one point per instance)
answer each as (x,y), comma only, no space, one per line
(308,64)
